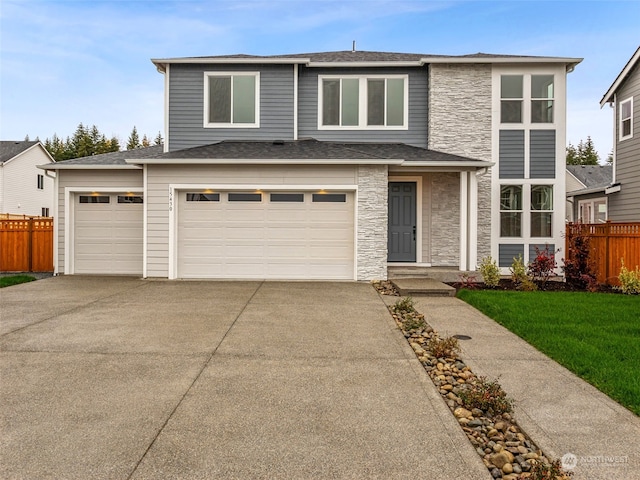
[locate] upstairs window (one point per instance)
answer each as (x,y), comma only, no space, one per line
(232,99)
(541,98)
(375,102)
(626,119)
(511,95)
(40,182)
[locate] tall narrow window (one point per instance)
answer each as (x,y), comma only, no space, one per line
(541,210)
(511,95)
(542,98)
(40,182)
(232,99)
(626,119)
(511,211)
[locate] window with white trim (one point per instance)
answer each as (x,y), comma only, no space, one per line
(232,99)
(369,102)
(626,119)
(542,98)
(525,97)
(40,182)
(511,210)
(541,210)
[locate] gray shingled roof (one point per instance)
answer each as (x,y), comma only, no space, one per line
(115,158)
(363,56)
(302,150)
(311,149)
(9,149)
(592,176)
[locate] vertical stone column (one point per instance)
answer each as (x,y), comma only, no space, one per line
(372,222)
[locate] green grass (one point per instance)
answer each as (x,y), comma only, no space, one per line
(595,335)
(15,280)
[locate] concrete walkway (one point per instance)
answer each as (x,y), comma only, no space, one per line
(120,378)
(562,413)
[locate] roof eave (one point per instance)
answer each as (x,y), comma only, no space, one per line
(444,163)
(258,161)
(568,61)
(77,166)
(161,63)
(587,191)
(607,97)
(388,63)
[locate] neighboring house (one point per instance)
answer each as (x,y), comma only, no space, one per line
(624,96)
(24,188)
(328,166)
(586,199)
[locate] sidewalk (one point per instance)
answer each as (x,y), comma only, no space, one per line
(560,412)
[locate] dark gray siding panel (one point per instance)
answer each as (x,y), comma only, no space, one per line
(507,252)
(624,206)
(542,154)
(418,109)
(511,158)
(541,247)
(186,106)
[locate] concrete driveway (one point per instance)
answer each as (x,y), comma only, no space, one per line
(122,378)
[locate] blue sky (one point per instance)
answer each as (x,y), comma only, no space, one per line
(66,62)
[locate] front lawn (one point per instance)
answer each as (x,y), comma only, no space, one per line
(595,335)
(15,280)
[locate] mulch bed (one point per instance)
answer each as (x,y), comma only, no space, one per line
(550,286)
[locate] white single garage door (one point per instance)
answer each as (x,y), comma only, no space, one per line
(266,235)
(108,234)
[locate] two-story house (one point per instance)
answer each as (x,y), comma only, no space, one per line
(24,188)
(328,166)
(623,196)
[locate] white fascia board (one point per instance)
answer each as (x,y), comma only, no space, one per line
(607,97)
(586,191)
(161,63)
(406,63)
(570,62)
(613,189)
(474,164)
(248,161)
(58,166)
(39,144)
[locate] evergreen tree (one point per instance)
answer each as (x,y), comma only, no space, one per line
(610,158)
(84,142)
(158,139)
(584,154)
(134,140)
(145,141)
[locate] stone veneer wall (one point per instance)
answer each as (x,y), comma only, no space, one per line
(460,124)
(372,222)
(445,219)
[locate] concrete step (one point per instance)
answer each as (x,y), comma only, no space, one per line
(422,287)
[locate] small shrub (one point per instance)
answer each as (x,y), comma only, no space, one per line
(546,471)
(404,305)
(518,270)
(413,321)
(487,396)
(578,268)
(443,347)
(519,275)
(629,279)
(467,281)
(543,265)
(490,272)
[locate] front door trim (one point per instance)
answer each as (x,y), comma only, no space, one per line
(418,181)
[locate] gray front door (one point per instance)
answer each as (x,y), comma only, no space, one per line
(402,222)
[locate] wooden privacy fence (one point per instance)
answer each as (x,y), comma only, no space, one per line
(608,243)
(26,244)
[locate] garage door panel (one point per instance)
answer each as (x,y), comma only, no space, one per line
(108,237)
(296,240)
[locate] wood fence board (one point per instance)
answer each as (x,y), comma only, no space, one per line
(609,243)
(26,244)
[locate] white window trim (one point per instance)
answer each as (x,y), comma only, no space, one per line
(626,137)
(527,98)
(205,118)
(592,203)
(362,103)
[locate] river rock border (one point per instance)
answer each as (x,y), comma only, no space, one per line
(505,449)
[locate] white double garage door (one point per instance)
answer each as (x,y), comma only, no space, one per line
(226,234)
